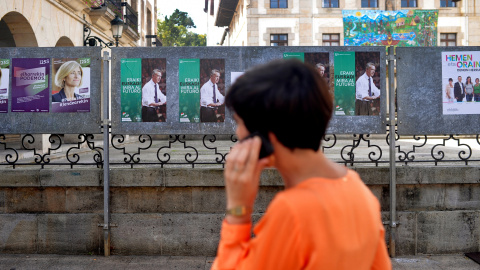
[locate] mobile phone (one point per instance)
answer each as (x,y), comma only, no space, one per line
(266,149)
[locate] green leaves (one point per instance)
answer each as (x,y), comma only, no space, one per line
(174,31)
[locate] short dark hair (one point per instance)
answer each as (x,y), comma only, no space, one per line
(285,97)
(450,80)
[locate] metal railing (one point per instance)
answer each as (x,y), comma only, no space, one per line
(131,17)
(211,150)
(115,6)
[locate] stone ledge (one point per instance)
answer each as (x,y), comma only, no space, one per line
(142,177)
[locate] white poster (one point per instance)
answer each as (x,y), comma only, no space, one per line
(461,82)
(235,75)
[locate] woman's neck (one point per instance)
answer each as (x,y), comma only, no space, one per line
(69,92)
(306,164)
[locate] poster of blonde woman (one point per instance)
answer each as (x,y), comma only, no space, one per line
(71,85)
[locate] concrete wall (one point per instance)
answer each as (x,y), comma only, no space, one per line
(179,211)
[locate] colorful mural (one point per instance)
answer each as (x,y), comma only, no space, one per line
(406,28)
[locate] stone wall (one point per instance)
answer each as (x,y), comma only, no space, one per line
(179,211)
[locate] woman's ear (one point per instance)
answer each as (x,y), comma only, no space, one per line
(273,139)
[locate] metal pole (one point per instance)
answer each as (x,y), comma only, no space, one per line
(106,167)
(393,187)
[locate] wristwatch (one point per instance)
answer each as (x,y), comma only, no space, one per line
(239,211)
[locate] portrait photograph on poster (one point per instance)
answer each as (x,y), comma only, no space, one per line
(321,63)
(357,83)
(4,84)
(202,90)
(143,90)
(154,90)
(71,85)
(30,85)
(461,82)
(212,92)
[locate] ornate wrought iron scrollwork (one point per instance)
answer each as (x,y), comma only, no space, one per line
(327,138)
(187,155)
(409,156)
(355,144)
(42,159)
(171,140)
(8,157)
(85,138)
(181,139)
(131,158)
(461,153)
(212,140)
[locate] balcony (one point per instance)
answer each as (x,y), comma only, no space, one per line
(131,17)
(131,25)
(76,5)
(104,11)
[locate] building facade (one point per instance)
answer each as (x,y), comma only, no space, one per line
(54,23)
(320,22)
(68,23)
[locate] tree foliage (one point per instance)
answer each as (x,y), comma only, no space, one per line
(174,31)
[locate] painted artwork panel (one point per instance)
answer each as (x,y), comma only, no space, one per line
(406,28)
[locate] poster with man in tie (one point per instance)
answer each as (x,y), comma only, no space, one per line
(212,93)
(460,89)
(201,90)
(154,98)
(143,89)
(357,83)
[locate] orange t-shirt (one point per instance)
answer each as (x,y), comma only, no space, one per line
(318,224)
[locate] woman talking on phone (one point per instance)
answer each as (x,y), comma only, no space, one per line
(326,218)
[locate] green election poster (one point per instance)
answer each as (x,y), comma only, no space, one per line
(131,95)
(189,90)
(344,82)
(297,55)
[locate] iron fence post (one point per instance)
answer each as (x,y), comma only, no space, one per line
(393,188)
(106,165)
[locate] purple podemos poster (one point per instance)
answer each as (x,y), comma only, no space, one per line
(30,84)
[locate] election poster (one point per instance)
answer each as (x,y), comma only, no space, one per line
(406,28)
(131,89)
(235,75)
(189,90)
(30,85)
(4,84)
(143,90)
(320,61)
(202,90)
(71,85)
(295,55)
(461,82)
(357,83)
